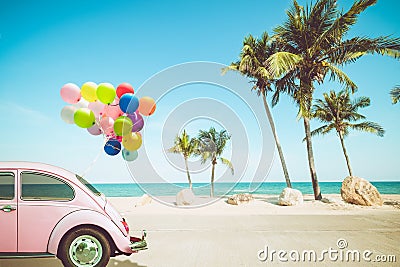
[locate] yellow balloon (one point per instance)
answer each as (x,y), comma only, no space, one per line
(132,141)
(88,91)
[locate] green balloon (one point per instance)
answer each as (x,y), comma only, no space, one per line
(123,126)
(106,93)
(84,118)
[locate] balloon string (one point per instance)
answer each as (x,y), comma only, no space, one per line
(106,138)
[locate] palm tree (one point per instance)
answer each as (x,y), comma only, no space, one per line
(395,94)
(212,144)
(339,113)
(187,147)
(252,60)
(312,46)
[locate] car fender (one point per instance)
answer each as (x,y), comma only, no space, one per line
(87,217)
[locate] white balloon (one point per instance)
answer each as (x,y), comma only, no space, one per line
(67,114)
(83,103)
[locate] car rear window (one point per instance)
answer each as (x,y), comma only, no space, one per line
(88,185)
(7,181)
(41,186)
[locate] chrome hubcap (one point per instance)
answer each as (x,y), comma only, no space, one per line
(85,251)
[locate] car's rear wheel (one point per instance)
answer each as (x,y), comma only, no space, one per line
(85,247)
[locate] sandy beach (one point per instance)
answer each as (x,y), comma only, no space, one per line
(220,234)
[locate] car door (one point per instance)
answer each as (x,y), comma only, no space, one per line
(44,200)
(8,211)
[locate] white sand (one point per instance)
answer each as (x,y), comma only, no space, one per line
(224,235)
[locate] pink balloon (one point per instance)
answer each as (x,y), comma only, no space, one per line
(94,130)
(70,93)
(113,110)
(107,125)
(97,107)
(111,136)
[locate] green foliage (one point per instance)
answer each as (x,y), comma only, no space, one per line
(184,145)
(312,45)
(211,146)
(252,61)
(395,94)
(339,113)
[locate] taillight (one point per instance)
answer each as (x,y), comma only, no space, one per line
(125,225)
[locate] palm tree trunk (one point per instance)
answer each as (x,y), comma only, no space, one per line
(188,174)
(278,145)
(212,179)
(345,153)
(314,179)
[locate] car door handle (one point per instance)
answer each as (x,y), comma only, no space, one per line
(8,208)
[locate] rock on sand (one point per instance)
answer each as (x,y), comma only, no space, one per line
(359,191)
(290,197)
(143,200)
(240,199)
(185,197)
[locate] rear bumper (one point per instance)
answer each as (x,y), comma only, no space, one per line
(137,244)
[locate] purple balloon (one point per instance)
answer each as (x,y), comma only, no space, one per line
(137,120)
(94,130)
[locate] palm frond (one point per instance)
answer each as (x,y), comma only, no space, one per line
(338,74)
(185,145)
(174,149)
(360,102)
(227,163)
(395,94)
(212,143)
(368,126)
(282,62)
(349,51)
(322,130)
(323,14)
(234,67)
(338,112)
(342,24)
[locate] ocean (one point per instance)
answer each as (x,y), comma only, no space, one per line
(270,188)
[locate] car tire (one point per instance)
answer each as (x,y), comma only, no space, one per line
(85,247)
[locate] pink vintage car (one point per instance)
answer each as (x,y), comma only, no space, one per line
(46,211)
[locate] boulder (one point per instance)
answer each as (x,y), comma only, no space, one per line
(185,197)
(144,200)
(359,191)
(290,197)
(240,199)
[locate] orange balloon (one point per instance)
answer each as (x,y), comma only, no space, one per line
(147,106)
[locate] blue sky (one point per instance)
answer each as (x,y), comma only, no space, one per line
(45,44)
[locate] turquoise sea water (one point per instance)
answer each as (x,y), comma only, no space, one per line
(165,189)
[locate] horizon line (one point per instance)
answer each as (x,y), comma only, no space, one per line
(241,182)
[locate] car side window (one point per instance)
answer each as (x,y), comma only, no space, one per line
(7,181)
(40,186)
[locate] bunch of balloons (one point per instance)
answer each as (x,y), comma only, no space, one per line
(117,114)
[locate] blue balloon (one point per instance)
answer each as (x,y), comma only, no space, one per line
(129,103)
(112,147)
(129,155)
